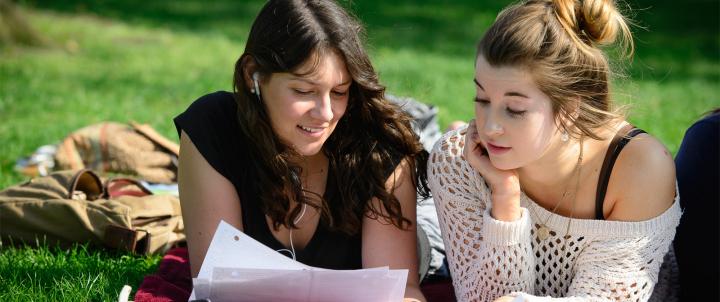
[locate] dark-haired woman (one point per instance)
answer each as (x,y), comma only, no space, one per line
(549,193)
(305,155)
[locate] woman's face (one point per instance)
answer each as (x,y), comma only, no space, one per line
(514,119)
(304,110)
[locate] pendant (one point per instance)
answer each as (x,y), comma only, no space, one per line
(543,232)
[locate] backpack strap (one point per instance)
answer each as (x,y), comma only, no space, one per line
(125,239)
(155,137)
(121,186)
(70,153)
(618,142)
(87,182)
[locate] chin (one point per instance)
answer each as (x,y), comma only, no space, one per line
(504,164)
(309,152)
(309,149)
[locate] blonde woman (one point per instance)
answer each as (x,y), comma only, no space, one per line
(549,193)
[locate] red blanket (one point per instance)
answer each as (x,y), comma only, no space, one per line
(172,282)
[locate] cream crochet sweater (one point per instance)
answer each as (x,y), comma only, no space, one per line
(488,258)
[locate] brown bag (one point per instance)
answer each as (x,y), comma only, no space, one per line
(68,207)
(134,149)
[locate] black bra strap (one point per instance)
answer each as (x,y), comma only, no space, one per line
(618,142)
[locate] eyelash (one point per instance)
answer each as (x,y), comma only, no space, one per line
(301,92)
(512,113)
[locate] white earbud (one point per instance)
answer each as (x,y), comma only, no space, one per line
(256,88)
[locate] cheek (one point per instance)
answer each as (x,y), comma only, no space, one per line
(479,115)
(339,108)
(537,135)
(284,110)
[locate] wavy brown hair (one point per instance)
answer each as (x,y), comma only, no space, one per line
(370,140)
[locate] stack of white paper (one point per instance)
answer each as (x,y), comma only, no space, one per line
(238,268)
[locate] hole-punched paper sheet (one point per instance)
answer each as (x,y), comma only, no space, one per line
(238,268)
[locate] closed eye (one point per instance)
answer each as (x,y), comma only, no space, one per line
(511,112)
(340,93)
(302,92)
(516,113)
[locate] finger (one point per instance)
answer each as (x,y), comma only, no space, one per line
(478,160)
(468,144)
(476,133)
(483,163)
(469,130)
(471,138)
(471,125)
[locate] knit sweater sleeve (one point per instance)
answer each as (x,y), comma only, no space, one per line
(488,258)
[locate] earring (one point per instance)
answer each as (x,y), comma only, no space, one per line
(564,137)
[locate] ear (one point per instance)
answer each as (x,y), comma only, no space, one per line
(250,66)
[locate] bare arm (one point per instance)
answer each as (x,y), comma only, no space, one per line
(206,198)
(383,244)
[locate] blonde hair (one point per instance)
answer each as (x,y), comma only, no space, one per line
(558,42)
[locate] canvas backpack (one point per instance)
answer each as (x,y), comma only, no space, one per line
(130,149)
(75,206)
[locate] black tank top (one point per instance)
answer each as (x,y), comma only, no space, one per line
(211,124)
(618,142)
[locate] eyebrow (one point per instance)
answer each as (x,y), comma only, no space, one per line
(296,78)
(510,93)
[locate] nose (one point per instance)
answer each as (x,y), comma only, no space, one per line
(323,108)
(491,127)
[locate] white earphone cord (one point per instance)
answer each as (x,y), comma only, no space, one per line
(292,252)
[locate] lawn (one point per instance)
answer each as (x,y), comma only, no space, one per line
(148,60)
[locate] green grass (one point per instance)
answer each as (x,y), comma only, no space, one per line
(76,274)
(148,60)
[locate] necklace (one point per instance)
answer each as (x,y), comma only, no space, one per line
(543,230)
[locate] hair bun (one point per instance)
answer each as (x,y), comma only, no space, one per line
(596,21)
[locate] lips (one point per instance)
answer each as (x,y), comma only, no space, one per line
(312,132)
(497,150)
(311,129)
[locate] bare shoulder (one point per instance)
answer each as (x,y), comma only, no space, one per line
(402,174)
(643,180)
